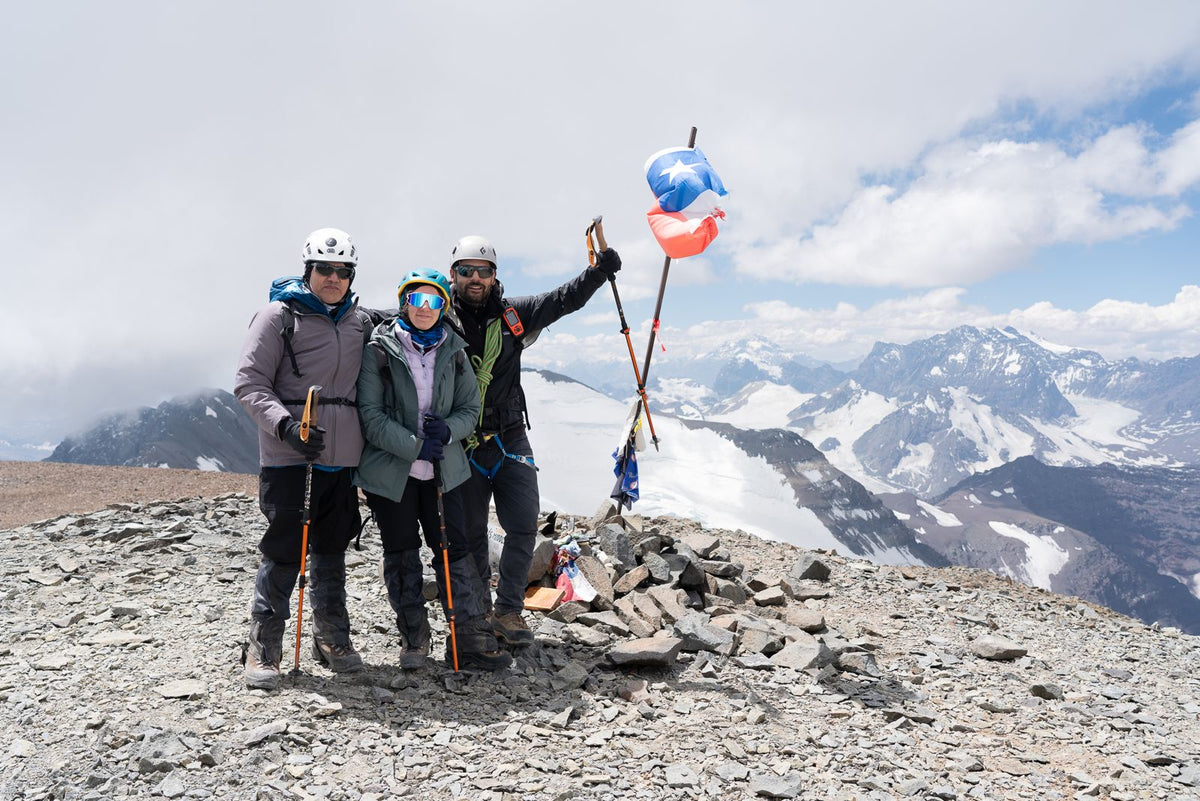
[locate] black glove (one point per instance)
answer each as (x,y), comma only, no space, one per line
(609,263)
(316,439)
(436,428)
(431,450)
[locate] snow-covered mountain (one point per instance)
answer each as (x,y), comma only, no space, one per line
(689,383)
(923,416)
(1125,537)
(204,431)
(772,483)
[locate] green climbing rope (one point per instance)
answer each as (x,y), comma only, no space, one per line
(483,372)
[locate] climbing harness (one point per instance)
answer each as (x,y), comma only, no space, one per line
(490,473)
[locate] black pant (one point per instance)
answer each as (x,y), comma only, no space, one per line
(333,508)
(515,489)
(398,521)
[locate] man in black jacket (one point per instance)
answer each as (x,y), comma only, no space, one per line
(497,329)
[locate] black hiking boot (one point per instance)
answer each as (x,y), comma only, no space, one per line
(477,647)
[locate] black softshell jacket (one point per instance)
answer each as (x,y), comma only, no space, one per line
(504,403)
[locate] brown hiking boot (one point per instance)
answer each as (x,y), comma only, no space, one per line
(338,658)
(261,659)
(260,674)
(512,629)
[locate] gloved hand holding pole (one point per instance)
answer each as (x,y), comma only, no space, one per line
(307,429)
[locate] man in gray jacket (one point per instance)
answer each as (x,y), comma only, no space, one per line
(311,333)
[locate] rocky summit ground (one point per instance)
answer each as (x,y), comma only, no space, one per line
(119,678)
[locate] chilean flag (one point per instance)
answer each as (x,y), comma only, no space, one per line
(687,189)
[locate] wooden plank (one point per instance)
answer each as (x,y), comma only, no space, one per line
(543,599)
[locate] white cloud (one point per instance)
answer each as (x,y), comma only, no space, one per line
(1116,329)
(164,178)
(1180,162)
(976,210)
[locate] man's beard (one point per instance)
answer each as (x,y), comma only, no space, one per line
(476,304)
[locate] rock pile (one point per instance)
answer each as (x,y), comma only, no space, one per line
(659,595)
(720,666)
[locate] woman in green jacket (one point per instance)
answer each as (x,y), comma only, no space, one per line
(417,401)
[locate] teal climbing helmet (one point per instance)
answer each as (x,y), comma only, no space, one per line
(428,277)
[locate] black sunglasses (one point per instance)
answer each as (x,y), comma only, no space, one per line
(465,271)
(344,273)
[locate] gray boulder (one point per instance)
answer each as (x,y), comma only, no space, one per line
(612,539)
(646,652)
(810,566)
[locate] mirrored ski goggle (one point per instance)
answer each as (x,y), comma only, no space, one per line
(419,299)
(465,271)
(344,273)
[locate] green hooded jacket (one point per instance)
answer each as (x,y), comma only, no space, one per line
(387,410)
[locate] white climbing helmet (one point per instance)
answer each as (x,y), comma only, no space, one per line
(329,244)
(473,247)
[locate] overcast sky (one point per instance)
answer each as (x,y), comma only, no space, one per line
(894,170)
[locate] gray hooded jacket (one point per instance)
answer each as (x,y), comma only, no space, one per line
(328,355)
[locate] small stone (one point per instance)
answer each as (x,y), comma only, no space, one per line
(607,621)
(183,688)
(612,539)
(53,662)
(1050,692)
(810,620)
(771,596)
(810,566)
(804,653)
(668,600)
(171,787)
(720,569)
(705,545)
(593,570)
(563,718)
(542,559)
(757,639)
(697,635)
(571,676)
(660,571)
(754,662)
(631,580)
(912,786)
(681,776)
(769,785)
(859,662)
(996,648)
(634,691)
(267,730)
(732,771)
(22,749)
(586,635)
(647,651)
(804,590)
(567,612)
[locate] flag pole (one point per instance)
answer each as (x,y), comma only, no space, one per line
(662,288)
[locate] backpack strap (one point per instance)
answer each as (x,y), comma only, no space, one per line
(287,329)
(368,323)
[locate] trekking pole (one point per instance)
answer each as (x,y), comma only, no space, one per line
(306,423)
(662,287)
(597,226)
(437,482)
